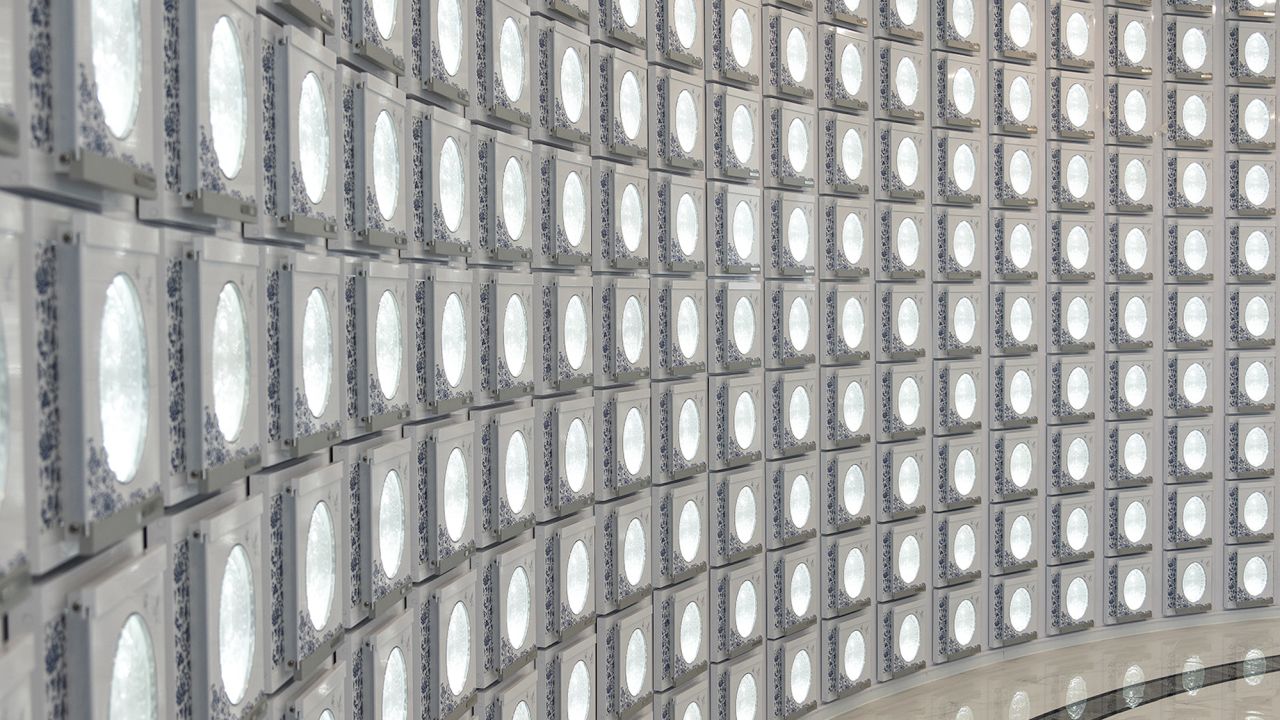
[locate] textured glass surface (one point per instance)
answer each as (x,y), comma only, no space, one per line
(577,455)
(1135,111)
(573,84)
(964,472)
(321,565)
(742,137)
(576,331)
(1257,250)
(800,502)
(453,339)
(799,413)
(630,11)
(1257,119)
(1020,464)
(797,49)
(452,179)
(690,632)
(457,494)
(687,225)
(1135,453)
(745,700)
(855,655)
(907,161)
(741,38)
(511,59)
(317,352)
(1195,48)
(630,104)
(1257,52)
(1078,458)
(907,240)
(1257,184)
(632,329)
(908,401)
(313,138)
(457,648)
(966,396)
(1135,41)
(1135,589)
(1135,255)
(449,34)
(1194,582)
(851,69)
(964,167)
(636,664)
(633,441)
(801,676)
(907,10)
(690,530)
(1135,521)
(573,209)
(855,489)
(124,388)
(965,622)
(744,325)
(1135,317)
(1257,316)
(801,589)
(851,154)
(391,523)
(688,327)
(384,16)
(228,100)
(134,694)
(631,217)
(1195,115)
(1195,184)
(744,515)
(686,121)
(1077,34)
(1020,172)
(1077,598)
(965,320)
(1195,516)
(852,322)
(515,198)
(1020,24)
(1077,176)
(908,565)
(635,551)
(690,429)
(1020,243)
(744,230)
(577,576)
(853,407)
(1020,392)
(1195,450)
(1020,98)
(1020,537)
(966,547)
(1078,317)
(516,475)
(1020,609)
(1020,319)
(1077,103)
(744,608)
(798,324)
(519,607)
(1078,388)
(386,165)
(854,572)
(515,335)
(909,638)
(388,343)
(237,625)
(115,39)
(1257,445)
(744,420)
(1077,245)
(797,145)
(1254,577)
(964,244)
(1135,179)
(686,22)
(908,321)
(1195,383)
(578,692)
(1077,529)
(908,482)
(229,362)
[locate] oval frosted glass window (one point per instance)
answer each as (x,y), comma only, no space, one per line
(853,406)
(965,622)
(908,401)
(386,165)
(855,655)
(1257,119)
(1257,184)
(395,687)
(573,84)
(1135,111)
(965,320)
(1078,245)
(1194,582)
(457,648)
(686,22)
(688,327)
(908,321)
(1135,252)
(230,362)
(452,180)
(124,390)
(687,225)
(133,692)
(631,218)
(1135,522)
(575,331)
(453,339)
(906,82)
(514,198)
(515,335)
(1195,516)
(1020,24)
(744,230)
(1077,529)
(797,55)
(1195,48)
(511,60)
(1077,598)
(312,139)
(1077,34)
(909,638)
(744,515)
(457,484)
(963,17)
(388,344)
(907,162)
(1078,388)
(964,91)
(573,209)
(237,625)
(797,145)
(1020,319)
(909,480)
(634,552)
(798,235)
(1135,179)
(1195,115)
(391,522)
(577,455)
(1135,453)
(228,101)
(519,605)
(632,329)
(744,420)
(798,324)
(907,10)
(742,136)
(1020,537)
(1256,511)
(1077,176)
(1135,589)
(1257,445)
(964,472)
(1257,316)
(801,589)
(1195,185)
(909,559)
(630,13)
(801,676)
(744,325)
(1255,576)
(907,240)
(690,633)
(798,413)
(1195,316)
(1020,464)
(1195,450)
(321,568)
(1020,246)
(964,244)
(636,665)
(854,571)
(1020,609)
(851,69)
(966,548)
(745,700)
(317,352)
(630,105)
(1135,317)
(690,429)
(744,609)
(115,40)
(384,16)
(800,502)
(964,167)
(633,441)
(852,323)
(1020,392)
(1020,172)
(741,38)
(966,396)
(1020,98)
(516,475)
(1135,42)
(579,692)
(855,489)
(1078,459)
(1257,52)
(578,577)
(1077,103)
(690,534)
(448,33)
(1078,317)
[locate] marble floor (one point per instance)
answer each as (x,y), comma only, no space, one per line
(1225,670)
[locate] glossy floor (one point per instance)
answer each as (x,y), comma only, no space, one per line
(1224,670)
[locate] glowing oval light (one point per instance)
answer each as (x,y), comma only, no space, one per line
(1135,111)
(576,331)
(964,90)
(688,327)
(1195,516)
(1135,41)
(1020,98)
(457,663)
(386,165)
(635,552)
(391,523)
(1020,609)
(744,325)
(577,451)
(964,624)
(744,514)
(1257,184)
(632,329)
(745,700)
(630,104)
(1135,589)
(797,145)
(578,692)
(636,665)
(854,489)
(228,100)
(134,691)
(853,407)
(907,162)
(229,362)
(1257,52)
(742,133)
(964,167)
(909,559)
(457,484)
(1195,316)
(966,547)
(798,413)
(577,577)
(124,390)
(320,566)
(1195,450)
(1020,537)
(690,531)
(573,209)
(1020,172)
(313,138)
(908,481)
(966,396)
(1020,464)
(453,339)
(907,240)
(907,10)
(854,572)
(1020,24)
(1194,582)
(1195,115)
(852,323)
(909,638)
(1020,392)
(452,179)
(388,344)
(515,335)
(631,218)
(1135,317)
(519,607)
(801,676)
(1254,576)
(317,352)
(851,154)
(851,69)
(855,655)
(798,234)
(908,321)
(1195,183)
(1077,598)
(1078,459)
(744,230)
(690,632)
(964,472)
(1077,34)
(797,54)
(798,324)
(511,59)
(908,401)
(449,35)
(1135,453)
(964,244)
(630,11)
(1257,446)
(686,22)
(237,625)
(1020,246)
(1077,529)
(741,38)
(515,198)
(1256,511)
(744,420)
(1257,250)
(1195,48)
(801,589)
(516,474)
(1077,388)
(686,121)
(1077,103)
(1135,179)
(1077,176)
(115,44)
(744,609)
(1257,119)
(687,225)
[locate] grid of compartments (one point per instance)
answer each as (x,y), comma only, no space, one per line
(593,358)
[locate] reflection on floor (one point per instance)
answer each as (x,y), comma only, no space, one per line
(1060,683)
